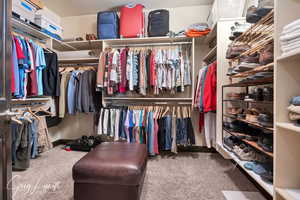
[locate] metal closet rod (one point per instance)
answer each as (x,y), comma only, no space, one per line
(150,44)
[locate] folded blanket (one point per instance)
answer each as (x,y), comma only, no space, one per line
(294,109)
(287,42)
(291,25)
(291,30)
(290,36)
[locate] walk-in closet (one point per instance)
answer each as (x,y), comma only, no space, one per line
(149,100)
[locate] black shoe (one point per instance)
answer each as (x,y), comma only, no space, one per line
(265,120)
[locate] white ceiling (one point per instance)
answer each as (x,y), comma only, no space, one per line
(66,8)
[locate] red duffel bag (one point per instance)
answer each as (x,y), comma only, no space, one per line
(132,21)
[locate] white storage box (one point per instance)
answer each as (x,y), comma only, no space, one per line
(226,9)
(49,14)
(48,25)
(24,9)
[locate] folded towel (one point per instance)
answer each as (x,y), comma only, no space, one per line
(290,36)
(294,109)
(287,42)
(291,30)
(291,25)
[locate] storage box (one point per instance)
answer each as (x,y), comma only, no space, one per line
(24,9)
(49,14)
(48,25)
(37,3)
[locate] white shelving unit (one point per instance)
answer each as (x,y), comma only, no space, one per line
(267,186)
(289,194)
(287,85)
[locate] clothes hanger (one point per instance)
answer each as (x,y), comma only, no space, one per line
(16,120)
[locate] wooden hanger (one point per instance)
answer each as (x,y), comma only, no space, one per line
(16,120)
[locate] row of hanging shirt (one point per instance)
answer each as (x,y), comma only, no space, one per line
(205,101)
(145,70)
(161,128)
(34,72)
(78,91)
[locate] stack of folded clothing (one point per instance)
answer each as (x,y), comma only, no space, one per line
(197,30)
(290,37)
(294,110)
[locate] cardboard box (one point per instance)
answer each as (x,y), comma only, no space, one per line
(37,3)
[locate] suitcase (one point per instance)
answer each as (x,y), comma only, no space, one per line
(158,23)
(132,21)
(108,25)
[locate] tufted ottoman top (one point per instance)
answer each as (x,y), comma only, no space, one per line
(112,163)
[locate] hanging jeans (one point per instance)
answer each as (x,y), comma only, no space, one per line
(167,132)
(150,134)
(34,140)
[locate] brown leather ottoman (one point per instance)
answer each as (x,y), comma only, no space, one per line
(112,171)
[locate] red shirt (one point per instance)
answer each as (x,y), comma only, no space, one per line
(20,53)
(210,89)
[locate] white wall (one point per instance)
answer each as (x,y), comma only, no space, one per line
(74,126)
(180,18)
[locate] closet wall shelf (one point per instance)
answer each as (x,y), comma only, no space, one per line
(212,35)
(31,100)
(211,54)
(254,102)
(291,56)
(288,126)
(80,45)
(23,27)
(289,194)
(147,40)
(251,143)
(149,99)
(267,186)
(257,125)
(263,81)
(79,61)
(263,68)
(28,29)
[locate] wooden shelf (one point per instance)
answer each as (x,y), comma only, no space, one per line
(80,45)
(251,143)
(251,123)
(28,29)
(211,54)
(263,81)
(254,102)
(264,68)
(289,194)
(128,41)
(293,55)
(31,99)
(79,61)
(288,126)
(267,186)
(256,146)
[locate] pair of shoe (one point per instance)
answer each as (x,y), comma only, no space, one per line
(264,170)
(265,141)
(238,29)
(254,14)
(265,120)
(85,143)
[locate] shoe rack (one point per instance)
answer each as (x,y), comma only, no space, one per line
(287,85)
(258,36)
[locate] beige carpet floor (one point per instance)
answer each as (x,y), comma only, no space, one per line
(187,176)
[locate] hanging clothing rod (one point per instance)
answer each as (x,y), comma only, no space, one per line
(28,35)
(150,44)
(79,65)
